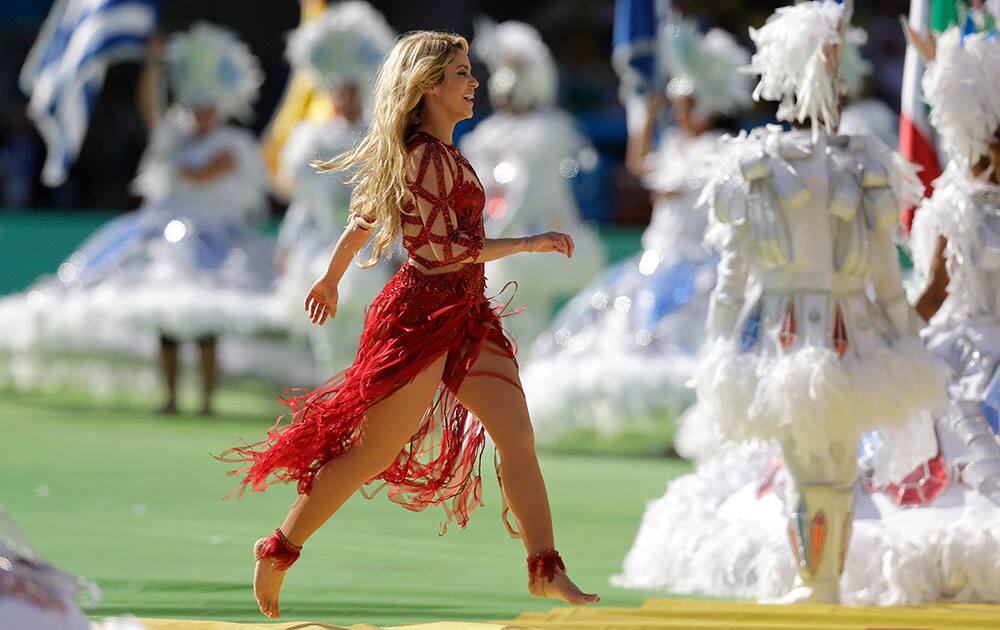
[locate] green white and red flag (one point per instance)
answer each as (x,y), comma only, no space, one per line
(916,138)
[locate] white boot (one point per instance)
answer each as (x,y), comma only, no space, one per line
(819,529)
(981,469)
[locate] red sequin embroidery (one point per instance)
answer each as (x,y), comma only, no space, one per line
(544,564)
(415,320)
(464,200)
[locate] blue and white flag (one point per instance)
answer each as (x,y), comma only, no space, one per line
(65,69)
(633,41)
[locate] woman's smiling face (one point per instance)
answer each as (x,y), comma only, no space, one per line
(455,95)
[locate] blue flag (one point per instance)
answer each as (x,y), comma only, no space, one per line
(64,71)
(633,42)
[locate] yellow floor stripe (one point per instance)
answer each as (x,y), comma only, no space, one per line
(190,624)
(672,614)
(719,615)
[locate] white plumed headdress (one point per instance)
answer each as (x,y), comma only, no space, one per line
(209,66)
(794,61)
(706,67)
(962,86)
(522,70)
(346,44)
(854,68)
(870,116)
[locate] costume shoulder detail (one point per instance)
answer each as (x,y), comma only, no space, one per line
(755,182)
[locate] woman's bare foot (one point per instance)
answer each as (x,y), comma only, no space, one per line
(266,584)
(561,587)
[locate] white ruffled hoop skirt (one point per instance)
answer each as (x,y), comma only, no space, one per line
(720,531)
(160,270)
(617,356)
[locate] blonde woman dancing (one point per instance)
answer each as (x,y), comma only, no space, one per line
(434,369)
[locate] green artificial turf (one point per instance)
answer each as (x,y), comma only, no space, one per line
(132,500)
(33,242)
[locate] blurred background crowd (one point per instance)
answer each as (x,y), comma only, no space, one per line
(180,272)
(579,32)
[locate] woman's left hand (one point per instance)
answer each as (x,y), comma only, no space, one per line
(321,303)
(551,242)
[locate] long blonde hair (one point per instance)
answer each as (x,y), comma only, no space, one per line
(416,64)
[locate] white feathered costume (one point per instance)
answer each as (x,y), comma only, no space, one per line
(343,47)
(527,153)
(617,356)
(811,343)
(187,264)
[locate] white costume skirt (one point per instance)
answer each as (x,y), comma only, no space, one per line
(721,531)
(544,280)
(810,368)
(617,356)
(157,271)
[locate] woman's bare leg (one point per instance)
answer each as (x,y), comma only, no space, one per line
(500,406)
(389,424)
(170,364)
(209,372)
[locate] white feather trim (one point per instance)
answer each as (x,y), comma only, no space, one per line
(210,66)
(346,44)
(961,87)
(936,217)
(522,70)
(813,397)
(711,534)
(706,67)
(791,59)
(952,212)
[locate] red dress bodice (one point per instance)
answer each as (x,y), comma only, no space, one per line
(447,188)
(416,319)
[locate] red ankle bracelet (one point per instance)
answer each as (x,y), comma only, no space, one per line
(544,564)
(278,549)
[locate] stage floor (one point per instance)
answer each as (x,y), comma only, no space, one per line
(689,614)
(719,615)
(172,624)
(131,500)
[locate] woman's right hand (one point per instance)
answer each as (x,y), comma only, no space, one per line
(551,242)
(321,303)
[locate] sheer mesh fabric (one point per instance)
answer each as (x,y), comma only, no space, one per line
(416,319)
(443,225)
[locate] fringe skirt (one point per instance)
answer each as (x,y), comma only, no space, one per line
(414,320)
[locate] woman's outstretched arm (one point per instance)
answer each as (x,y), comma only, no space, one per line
(496,248)
(937,285)
(321,303)
(435,172)
(351,240)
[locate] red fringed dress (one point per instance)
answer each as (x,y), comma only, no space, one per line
(415,320)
